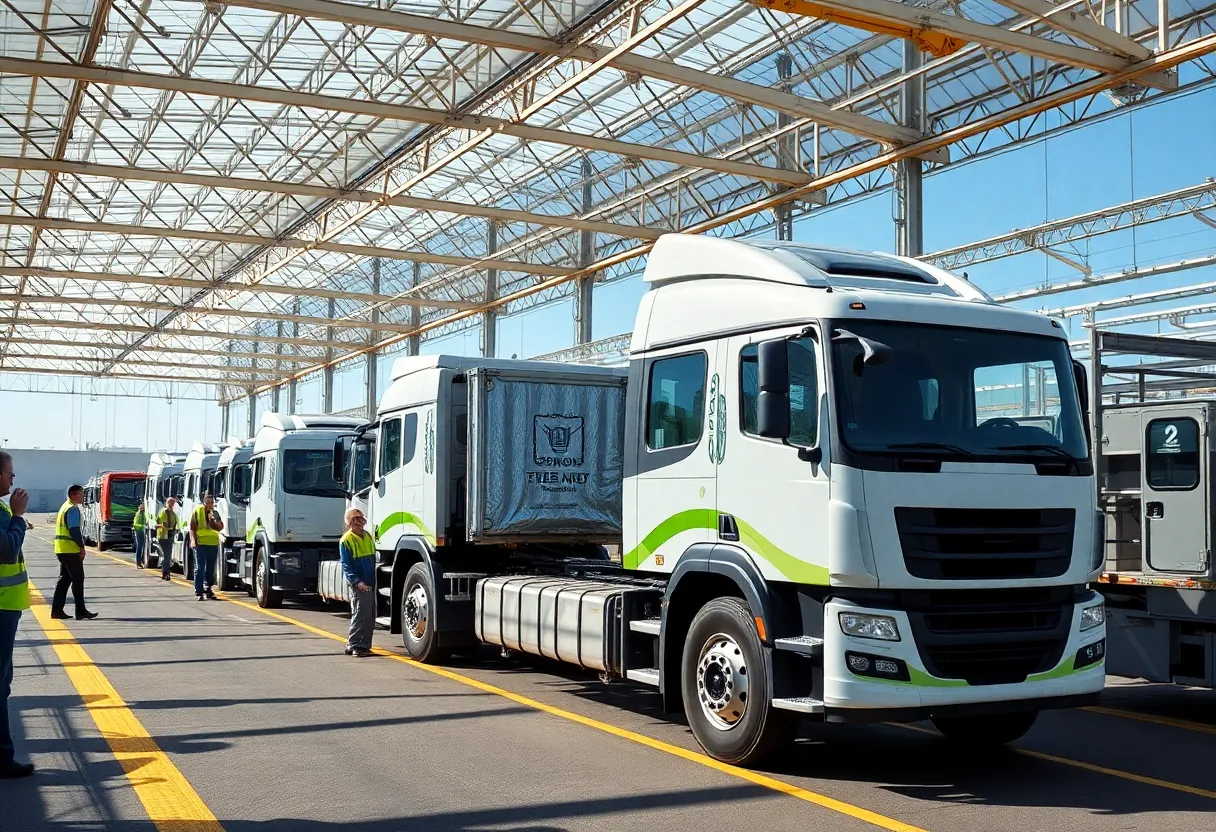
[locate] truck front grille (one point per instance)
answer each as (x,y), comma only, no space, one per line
(988,637)
(985,544)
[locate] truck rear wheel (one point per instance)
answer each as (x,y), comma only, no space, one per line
(267,598)
(987,731)
(418,616)
(725,685)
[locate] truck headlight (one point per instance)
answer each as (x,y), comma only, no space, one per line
(869,626)
(1093,616)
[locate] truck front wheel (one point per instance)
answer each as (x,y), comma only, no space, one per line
(725,685)
(268,598)
(418,616)
(988,731)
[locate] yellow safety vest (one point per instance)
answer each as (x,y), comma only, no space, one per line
(163,519)
(138,522)
(360,547)
(14,583)
(64,544)
(204,534)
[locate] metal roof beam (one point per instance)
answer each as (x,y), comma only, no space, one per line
(1082,27)
(982,33)
(58,323)
(1145,297)
(205,285)
(394,112)
(172,365)
(201,311)
(673,73)
(286,358)
(301,189)
(286,242)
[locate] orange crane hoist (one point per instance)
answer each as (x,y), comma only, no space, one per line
(937,44)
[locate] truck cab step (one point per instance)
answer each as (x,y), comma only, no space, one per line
(384,621)
(806,645)
(801,704)
(651,626)
(647,676)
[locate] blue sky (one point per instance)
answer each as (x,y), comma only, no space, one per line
(1153,150)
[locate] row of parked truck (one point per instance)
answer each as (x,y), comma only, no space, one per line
(828,485)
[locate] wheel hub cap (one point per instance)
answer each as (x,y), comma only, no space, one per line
(416,609)
(722,682)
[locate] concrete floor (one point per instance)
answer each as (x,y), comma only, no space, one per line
(278,731)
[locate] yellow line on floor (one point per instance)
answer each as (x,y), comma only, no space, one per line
(170,801)
(1183,724)
(753,777)
(1111,772)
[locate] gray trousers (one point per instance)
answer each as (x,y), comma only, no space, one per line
(362,618)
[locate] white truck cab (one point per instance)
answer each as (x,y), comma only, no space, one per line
(198,474)
(846,487)
(232,486)
(164,479)
(295,508)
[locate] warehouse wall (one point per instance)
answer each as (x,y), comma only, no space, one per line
(46,475)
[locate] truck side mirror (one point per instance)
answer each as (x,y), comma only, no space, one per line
(1081,378)
(773,403)
(341,450)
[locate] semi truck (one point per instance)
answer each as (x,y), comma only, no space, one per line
(1155,458)
(232,485)
(164,480)
(816,515)
(295,506)
(198,473)
(111,499)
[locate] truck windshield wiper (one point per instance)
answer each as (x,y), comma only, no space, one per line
(931,446)
(1052,449)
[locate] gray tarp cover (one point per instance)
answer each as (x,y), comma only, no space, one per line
(545,457)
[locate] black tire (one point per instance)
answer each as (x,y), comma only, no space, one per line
(267,598)
(224,581)
(725,628)
(101,547)
(251,586)
(981,732)
(417,631)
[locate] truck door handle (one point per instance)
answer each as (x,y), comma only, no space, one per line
(1154,510)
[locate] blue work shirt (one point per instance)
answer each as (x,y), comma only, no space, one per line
(357,569)
(12,537)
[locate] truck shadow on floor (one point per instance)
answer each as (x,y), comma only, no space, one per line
(911,761)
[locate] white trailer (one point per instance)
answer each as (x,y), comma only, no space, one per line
(164,481)
(820,513)
(232,485)
(295,508)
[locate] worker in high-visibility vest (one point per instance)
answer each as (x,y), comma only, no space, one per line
(205,526)
(14,598)
(69,550)
(166,532)
(357,551)
(138,524)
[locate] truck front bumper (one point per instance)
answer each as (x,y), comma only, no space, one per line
(869,679)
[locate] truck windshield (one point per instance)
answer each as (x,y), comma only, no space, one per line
(125,496)
(242,482)
(310,473)
(958,392)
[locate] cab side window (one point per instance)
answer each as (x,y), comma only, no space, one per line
(1172,454)
(804,391)
(675,402)
(259,473)
(390,446)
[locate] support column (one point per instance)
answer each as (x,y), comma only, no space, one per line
(373,360)
(291,385)
(225,418)
(786,152)
(327,375)
(489,322)
(909,201)
(414,342)
(586,251)
(252,427)
(276,393)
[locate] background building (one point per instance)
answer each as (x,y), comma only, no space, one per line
(47,474)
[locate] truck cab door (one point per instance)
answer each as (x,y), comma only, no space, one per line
(1175,490)
(672,438)
(772,504)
